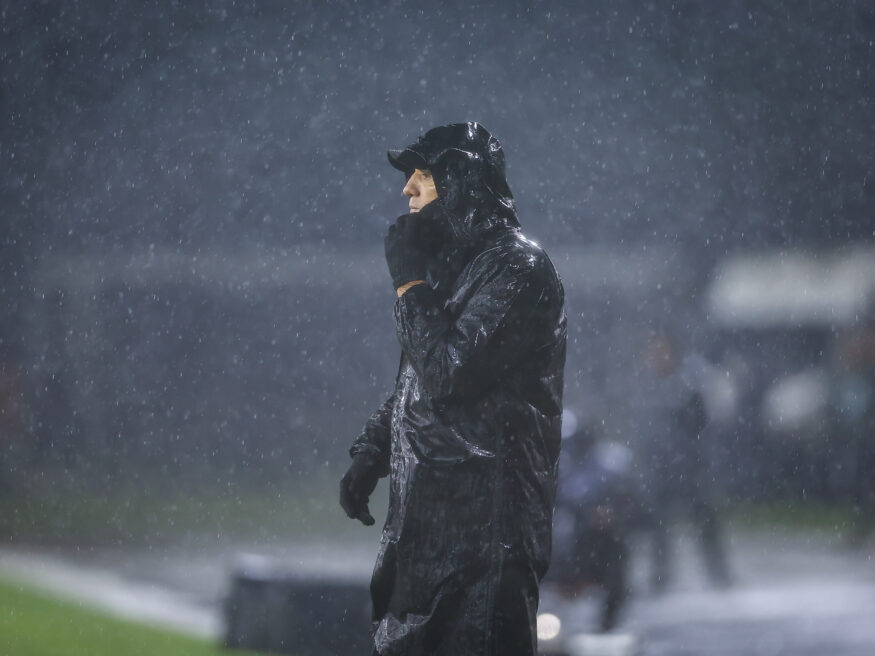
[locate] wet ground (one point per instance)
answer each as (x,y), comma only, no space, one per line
(792,594)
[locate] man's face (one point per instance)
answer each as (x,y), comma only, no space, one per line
(419,189)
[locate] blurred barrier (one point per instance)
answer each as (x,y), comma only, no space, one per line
(270,608)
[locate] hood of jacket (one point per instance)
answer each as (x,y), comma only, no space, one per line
(467,164)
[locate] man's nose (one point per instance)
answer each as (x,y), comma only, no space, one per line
(409,190)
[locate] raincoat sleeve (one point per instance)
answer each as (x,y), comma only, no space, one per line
(463,356)
(375,436)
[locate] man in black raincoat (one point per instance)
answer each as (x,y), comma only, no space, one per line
(470,435)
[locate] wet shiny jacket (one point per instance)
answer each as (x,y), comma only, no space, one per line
(470,435)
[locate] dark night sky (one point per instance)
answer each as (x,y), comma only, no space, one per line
(718,125)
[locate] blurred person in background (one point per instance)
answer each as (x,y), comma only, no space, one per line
(674,462)
(470,435)
(598,505)
(853,415)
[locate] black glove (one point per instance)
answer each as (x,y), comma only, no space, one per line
(356,487)
(432,227)
(404,253)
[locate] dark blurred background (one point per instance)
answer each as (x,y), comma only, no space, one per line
(194,195)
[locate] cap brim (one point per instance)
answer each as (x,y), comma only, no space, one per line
(406,160)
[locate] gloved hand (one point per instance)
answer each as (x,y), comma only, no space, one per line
(356,487)
(432,227)
(404,253)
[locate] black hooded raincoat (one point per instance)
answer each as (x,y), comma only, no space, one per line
(470,436)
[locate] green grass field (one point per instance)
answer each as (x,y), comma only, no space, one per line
(155,513)
(815,517)
(34,624)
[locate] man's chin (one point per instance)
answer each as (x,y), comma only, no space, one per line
(414,210)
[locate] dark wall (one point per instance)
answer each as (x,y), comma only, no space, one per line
(194,125)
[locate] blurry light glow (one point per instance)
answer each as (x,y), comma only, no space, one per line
(569,423)
(548,626)
(795,401)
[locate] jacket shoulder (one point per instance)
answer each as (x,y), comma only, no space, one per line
(527,255)
(517,252)
(513,258)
